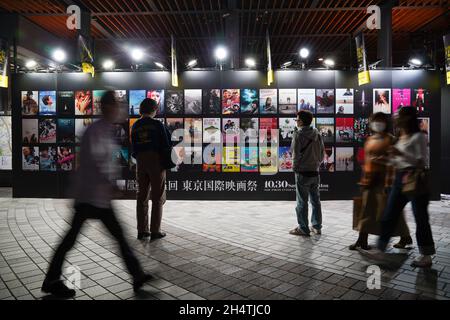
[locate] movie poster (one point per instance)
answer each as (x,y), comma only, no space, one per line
(249,159)
(120,157)
(30,131)
(268,99)
(421,99)
(325,101)
(345,159)
(66,131)
(193,101)
(178,155)
(47,131)
(30,158)
(249,101)
(285,160)
(287,101)
(77,157)
(268,132)
(326,129)
(66,158)
(400,98)
(363,102)
(231,159)
(250,130)
(158,96)
(268,159)
(231,130)
(211,102)
(98,94)
(344,130)
(120,133)
(80,127)
(47,103)
(48,158)
(212,158)
(382,100)
(5,143)
(83,103)
(193,130)
(424,125)
(174,124)
(287,127)
(307,100)
(361,129)
(174,102)
(131,122)
(212,131)
(231,101)
(344,101)
(30,105)
(327,164)
(136,97)
(66,103)
(193,159)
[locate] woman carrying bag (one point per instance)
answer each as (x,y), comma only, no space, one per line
(376,179)
(410,158)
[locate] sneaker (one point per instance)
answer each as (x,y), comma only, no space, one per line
(316,231)
(423,261)
(299,232)
(139,282)
(58,289)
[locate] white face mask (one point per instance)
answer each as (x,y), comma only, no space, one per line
(378,126)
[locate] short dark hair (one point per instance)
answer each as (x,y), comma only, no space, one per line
(108,99)
(148,106)
(45,99)
(306,117)
(381,117)
(407,120)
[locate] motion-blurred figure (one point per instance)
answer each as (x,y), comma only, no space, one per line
(150,139)
(410,158)
(375,182)
(94,190)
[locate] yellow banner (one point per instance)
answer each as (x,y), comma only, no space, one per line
(363,78)
(448,77)
(3,81)
(270,77)
(88,68)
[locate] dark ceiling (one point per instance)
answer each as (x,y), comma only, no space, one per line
(326,27)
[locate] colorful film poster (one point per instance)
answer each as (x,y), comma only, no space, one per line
(47,103)
(285,160)
(344,130)
(212,158)
(268,159)
(268,99)
(231,101)
(249,159)
(400,98)
(231,159)
(344,101)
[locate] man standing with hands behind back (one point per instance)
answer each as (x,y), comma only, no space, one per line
(308,152)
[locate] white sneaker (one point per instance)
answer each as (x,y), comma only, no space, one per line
(422,261)
(316,231)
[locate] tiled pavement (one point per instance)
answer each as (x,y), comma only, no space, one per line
(214,250)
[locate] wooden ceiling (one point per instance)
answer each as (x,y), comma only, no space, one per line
(326,27)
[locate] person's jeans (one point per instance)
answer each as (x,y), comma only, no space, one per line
(395,205)
(107,216)
(308,187)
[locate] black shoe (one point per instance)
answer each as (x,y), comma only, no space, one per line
(403,243)
(58,289)
(157,235)
(357,245)
(139,282)
(142,235)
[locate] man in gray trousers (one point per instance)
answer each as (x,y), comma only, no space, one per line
(308,152)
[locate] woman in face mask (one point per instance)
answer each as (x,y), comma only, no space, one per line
(376,180)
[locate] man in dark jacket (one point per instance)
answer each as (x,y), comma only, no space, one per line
(308,153)
(149,139)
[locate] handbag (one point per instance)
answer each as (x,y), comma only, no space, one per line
(415,182)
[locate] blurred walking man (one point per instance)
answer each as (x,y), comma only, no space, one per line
(94,189)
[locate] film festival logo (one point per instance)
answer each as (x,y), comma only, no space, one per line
(73,22)
(243,139)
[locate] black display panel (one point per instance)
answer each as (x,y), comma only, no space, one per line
(205,106)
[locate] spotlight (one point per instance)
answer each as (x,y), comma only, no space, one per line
(250,62)
(192,63)
(137,54)
(304,53)
(286,64)
(30,64)
(416,62)
(329,62)
(221,53)
(108,64)
(320,59)
(159,65)
(59,55)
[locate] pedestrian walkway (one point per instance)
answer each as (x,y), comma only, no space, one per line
(213,250)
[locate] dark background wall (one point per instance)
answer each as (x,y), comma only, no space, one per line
(337,185)
(445,134)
